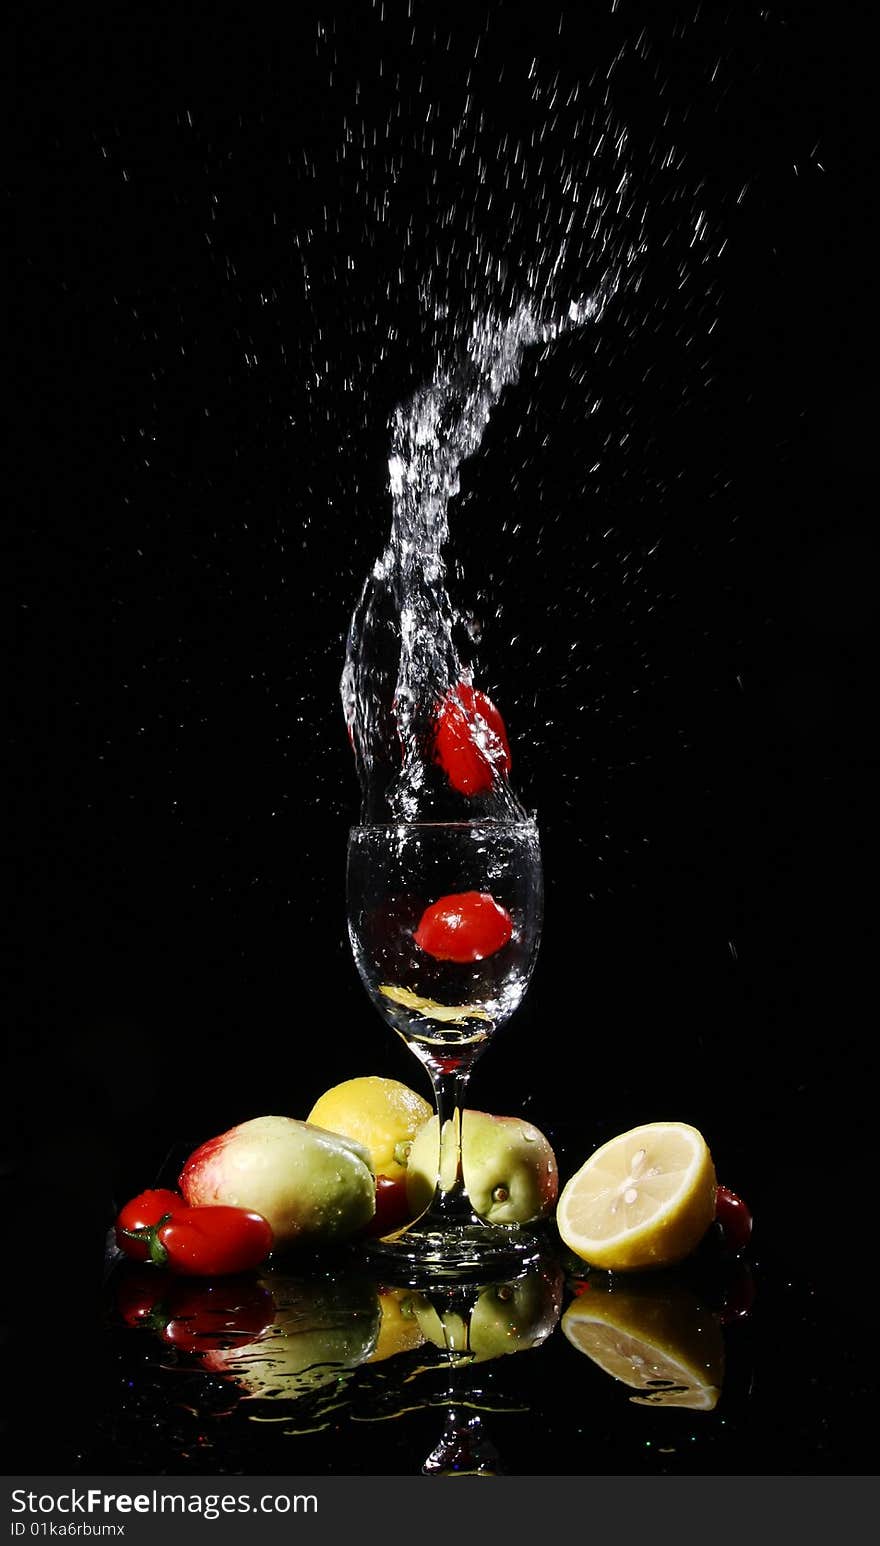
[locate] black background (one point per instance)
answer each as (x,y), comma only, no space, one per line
(210,331)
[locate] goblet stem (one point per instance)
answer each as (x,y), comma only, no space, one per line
(463,1448)
(451,1204)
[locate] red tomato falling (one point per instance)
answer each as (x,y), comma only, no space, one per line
(464,927)
(470,741)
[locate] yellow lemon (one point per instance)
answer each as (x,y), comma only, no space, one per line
(381,1114)
(663,1344)
(644,1199)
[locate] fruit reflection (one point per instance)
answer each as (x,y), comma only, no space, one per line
(323,1327)
(195,1315)
(494,1319)
(654,1336)
(338,1346)
(472,1324)
(399,1328)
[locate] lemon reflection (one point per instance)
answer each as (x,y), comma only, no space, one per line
(653,1336)
(399,1328)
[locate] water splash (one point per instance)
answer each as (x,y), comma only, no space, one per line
(403,656)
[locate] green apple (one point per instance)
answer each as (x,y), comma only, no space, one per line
(322,1327)
(506,1318)
(509,1167)
(310,1184)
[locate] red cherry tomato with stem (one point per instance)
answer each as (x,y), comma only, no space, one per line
(470,740)
(466,926)
(209,1242)
(145,1209)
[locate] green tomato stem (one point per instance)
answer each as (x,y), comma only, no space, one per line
(149,1234)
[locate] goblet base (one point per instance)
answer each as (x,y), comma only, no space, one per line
(427,1253)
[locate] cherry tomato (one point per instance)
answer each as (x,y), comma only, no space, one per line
(145,1209)
(470,741)
(467,926)
(211,1242)
(734,1218)
(392,1208)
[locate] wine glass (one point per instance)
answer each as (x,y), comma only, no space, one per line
(444,920)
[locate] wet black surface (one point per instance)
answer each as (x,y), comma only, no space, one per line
(545,1408)
(767,1375)
(675,596)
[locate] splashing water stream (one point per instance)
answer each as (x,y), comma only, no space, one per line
(402,655)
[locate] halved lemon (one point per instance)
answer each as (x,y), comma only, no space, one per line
(664,1344)
(644,1199)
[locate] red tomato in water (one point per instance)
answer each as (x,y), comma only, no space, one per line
(211,1242)
(470,741)
(145,1209)
(467,926)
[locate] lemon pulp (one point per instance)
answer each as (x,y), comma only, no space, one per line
(644,1199)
